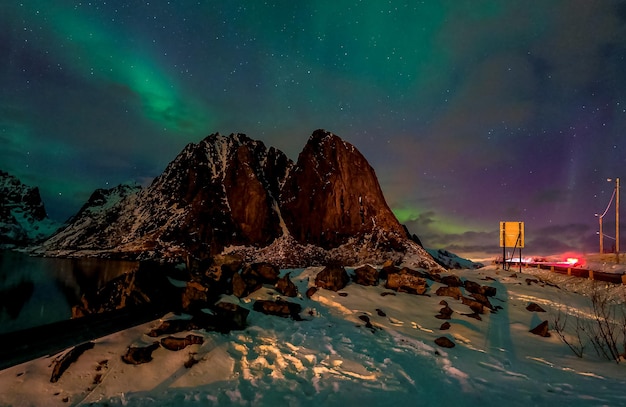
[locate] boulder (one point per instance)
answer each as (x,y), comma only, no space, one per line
(195,295)
(452,281)
(279,308)
(365,275)
(240,289)
(406,281)
(444,342)
(444,313)
(332,278)
(266,272)
(475,288)
(138,355)
(230,316)
(446,291)
(286,287)
(483,300)
(176,344)
(474,305)
(310,291)
(542,330)
(534,307)
(61,365)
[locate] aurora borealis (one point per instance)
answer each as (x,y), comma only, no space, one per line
(471,112)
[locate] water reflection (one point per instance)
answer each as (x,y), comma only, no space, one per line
(36,291)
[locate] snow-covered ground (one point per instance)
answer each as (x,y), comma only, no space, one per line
(332,358)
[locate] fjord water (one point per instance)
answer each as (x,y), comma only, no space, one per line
(37,290)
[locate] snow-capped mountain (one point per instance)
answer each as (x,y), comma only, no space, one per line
(23,218)
(233,194)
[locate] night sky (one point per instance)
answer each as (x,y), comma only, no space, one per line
(471,112)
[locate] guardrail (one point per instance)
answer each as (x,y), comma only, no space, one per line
(614,278)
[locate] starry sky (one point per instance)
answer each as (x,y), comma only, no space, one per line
(471,112)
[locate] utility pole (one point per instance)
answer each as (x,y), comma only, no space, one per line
(601,236)
(617,219)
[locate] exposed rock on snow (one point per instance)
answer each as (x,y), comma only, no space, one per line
(332,278)
(366,275)
(407,281)
(541,330)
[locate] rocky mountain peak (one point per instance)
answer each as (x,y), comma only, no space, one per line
(332,195)
(233,194)
(23,217)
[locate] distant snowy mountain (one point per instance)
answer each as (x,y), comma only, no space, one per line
(23,218)
(233,194)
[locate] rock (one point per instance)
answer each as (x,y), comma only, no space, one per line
(483,300)
(368,323)
(332,278)
(176,344)
(139,355)
(445,326)
(366,275)
(388,268)
(445,291)
(489,291)
(473,315)
(266,272)
(310,291)
(279,308)
(533,307)
(406,281)
(542,330)
(195,296)
(286,287)
(444,342)
(452,281)
(61,365)
(444,313)
(474,305)
(230,316)
(171,326)
(240,289)
(380,312)
(530,281)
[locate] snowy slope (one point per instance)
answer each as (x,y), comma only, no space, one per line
(332,358)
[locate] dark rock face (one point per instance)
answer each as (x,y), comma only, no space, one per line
(332,278)
(23,218)
(222,191)
(336,184)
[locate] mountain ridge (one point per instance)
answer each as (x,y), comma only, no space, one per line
(233,194)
